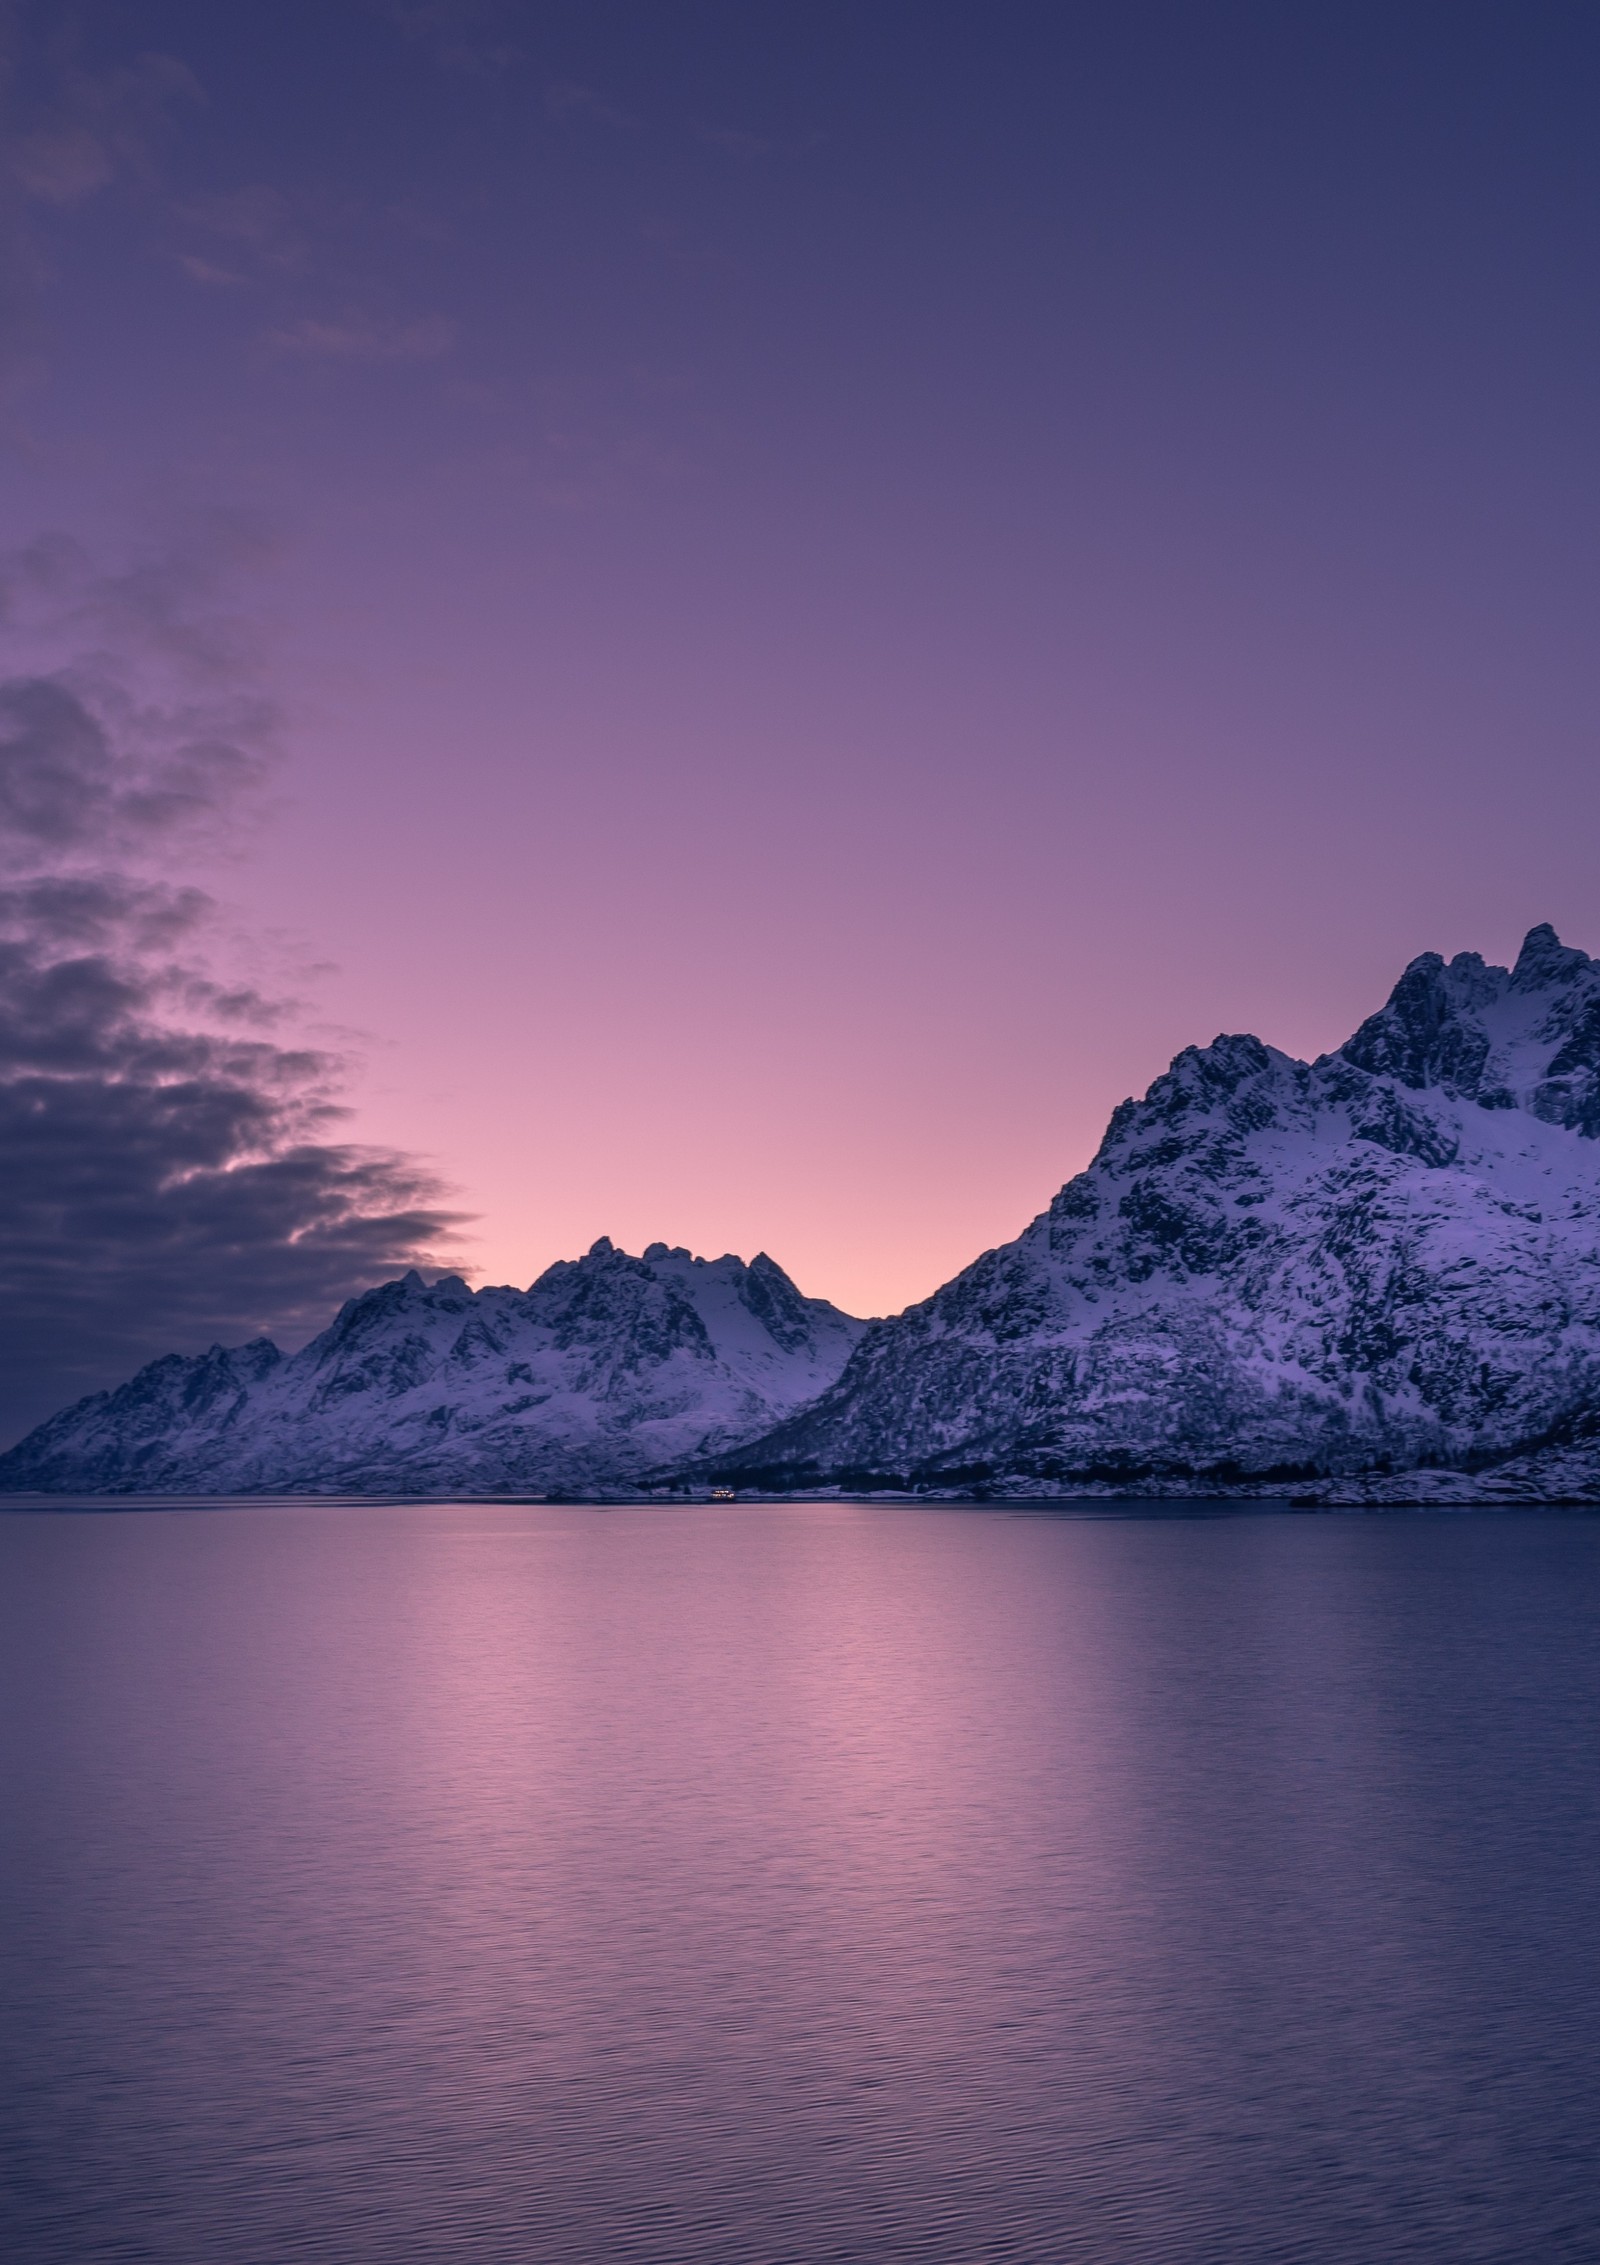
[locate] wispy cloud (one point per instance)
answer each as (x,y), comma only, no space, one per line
(462,35)
(254,223)
(208,273)
(99,126)
(367,338)
(67,136)
(313,266)
(739,144)
(565,98)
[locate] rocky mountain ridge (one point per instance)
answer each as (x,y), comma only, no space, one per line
(1370,1278)
(606,1369)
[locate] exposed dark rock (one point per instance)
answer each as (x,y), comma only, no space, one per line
(1375,1277)
(1277,1274)
(629,1364)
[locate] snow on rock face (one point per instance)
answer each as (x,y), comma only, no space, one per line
(1374,1277)
(606,1369)
(1276,1274)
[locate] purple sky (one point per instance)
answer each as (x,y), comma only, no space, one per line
(840,579)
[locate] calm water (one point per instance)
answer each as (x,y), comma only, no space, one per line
(820,1883)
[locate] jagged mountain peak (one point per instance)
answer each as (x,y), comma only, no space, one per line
(1378,1269)
(1526,1037)
(1545,961)
(1430,1030)
(1462,1024)
(605,1368)
(1275,1272)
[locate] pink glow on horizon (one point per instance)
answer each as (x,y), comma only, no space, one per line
(841,599)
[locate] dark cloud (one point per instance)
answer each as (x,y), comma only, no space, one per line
(165,609)
(139,727)
(170,1167)
(65,787)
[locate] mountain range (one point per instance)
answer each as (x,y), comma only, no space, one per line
(607,1369)
(1370,1278)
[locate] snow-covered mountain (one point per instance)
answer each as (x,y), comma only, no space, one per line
(1371,1277)
(608,1368)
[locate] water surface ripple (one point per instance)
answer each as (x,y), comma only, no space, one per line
(771,1886)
